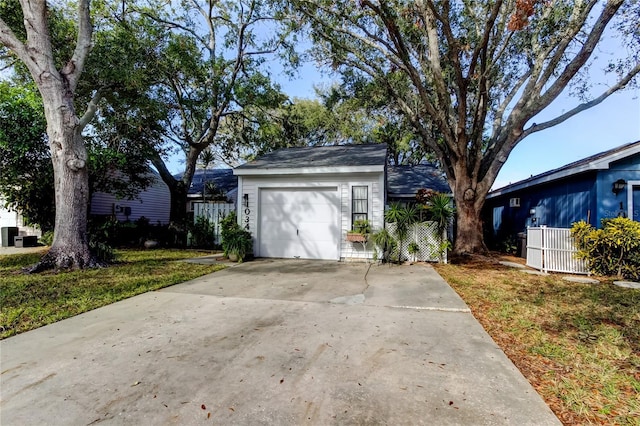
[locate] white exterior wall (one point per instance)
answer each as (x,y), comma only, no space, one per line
(251,185)
(8,217)
(154,204)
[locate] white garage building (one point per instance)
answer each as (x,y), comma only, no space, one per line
(300,202)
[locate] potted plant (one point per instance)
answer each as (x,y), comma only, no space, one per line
(236,242)
(360,231)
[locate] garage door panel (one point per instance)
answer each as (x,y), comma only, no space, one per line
(299,223)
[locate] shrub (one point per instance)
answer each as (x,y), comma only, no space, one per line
(612,250)
(47,238)
(235,239)
(202,232)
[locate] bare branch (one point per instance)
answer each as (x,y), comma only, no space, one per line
(584,106)
(90,112)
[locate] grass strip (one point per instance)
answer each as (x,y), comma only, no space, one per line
(31,301)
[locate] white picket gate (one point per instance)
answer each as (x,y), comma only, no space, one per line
(553,250)
(215,212)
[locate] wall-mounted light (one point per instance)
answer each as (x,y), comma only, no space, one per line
(618,186)
(532,211)
(245,197)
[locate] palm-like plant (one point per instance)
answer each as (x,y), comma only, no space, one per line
(403,217)
(441,211)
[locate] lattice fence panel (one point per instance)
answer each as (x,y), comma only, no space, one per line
(425,234)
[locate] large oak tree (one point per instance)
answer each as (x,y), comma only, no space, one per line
(57,78)
(470,75)
(212,76)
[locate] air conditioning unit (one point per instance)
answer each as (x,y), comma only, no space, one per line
(514,202)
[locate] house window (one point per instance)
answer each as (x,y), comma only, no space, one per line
(359,203)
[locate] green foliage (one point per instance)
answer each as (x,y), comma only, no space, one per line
(362,226)
(413,249)
(464,79)
(46,238)
(114,166)
(202,232)
(26,181)
(439,209)
(235,240)
(403,218)
(613,250)
(386,244)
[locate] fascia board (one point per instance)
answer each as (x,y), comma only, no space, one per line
(308,170)
(601,164)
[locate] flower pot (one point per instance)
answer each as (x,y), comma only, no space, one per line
(357,238)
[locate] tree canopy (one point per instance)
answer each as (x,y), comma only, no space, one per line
(469,76)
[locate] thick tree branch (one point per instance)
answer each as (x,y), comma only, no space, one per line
(584,106)
(73,69)
(9,39)
(92,108)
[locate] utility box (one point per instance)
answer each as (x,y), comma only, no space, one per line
(7,234)
(25,241)
(522,244)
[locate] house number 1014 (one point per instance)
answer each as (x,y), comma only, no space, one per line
(247,212)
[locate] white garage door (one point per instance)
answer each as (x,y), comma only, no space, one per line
(299,222)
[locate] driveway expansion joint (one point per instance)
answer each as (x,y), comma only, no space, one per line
(433,308)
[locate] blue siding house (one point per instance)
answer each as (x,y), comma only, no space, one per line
(605,185)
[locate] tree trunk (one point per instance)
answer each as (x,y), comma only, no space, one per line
(178,213)
(469,202)
(70,247)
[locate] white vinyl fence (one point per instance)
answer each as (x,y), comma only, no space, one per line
(215,212)
(553,250)
(425,234)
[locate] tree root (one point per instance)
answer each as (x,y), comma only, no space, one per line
(58,260)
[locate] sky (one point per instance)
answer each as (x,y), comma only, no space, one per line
(614,122)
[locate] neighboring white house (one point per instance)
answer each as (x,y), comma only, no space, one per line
(7,217)
(300,202)
(154,203)
(12,219)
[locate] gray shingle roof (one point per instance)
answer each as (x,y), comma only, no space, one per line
(405,181)
(564,171)
(322,156)
(223,179)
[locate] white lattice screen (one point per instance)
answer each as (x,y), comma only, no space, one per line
(425,234)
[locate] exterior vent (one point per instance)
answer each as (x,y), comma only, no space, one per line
(514,202)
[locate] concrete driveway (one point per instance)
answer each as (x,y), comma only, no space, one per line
(271,342)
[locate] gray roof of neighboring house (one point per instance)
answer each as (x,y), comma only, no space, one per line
(322,156)
(223,179)
(594,162)
(405,181)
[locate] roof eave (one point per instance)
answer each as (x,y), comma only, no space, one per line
(600,164)
(306,170)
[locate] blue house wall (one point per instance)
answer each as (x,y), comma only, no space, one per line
(611,205)
(586,196)
(556,204)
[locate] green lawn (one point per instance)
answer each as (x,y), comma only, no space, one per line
(31,301)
